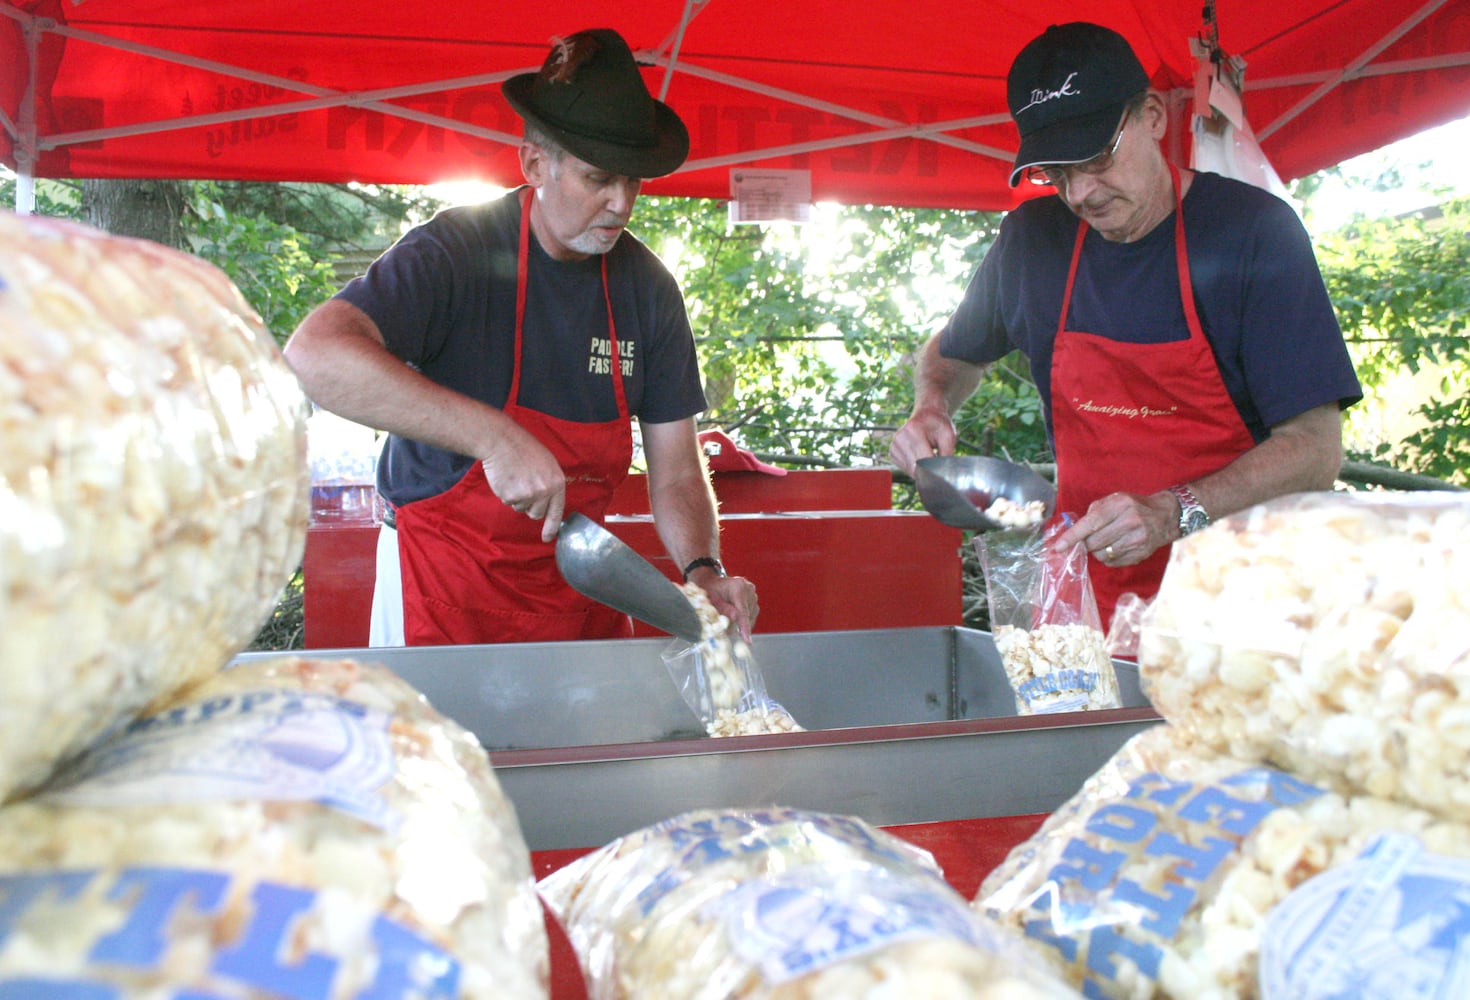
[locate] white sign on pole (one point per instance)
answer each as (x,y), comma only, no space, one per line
(770,195)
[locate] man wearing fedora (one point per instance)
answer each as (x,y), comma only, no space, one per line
(1187,358)
(506,348)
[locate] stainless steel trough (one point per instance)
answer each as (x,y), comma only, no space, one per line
(591,739)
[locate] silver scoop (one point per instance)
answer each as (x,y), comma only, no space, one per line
(957,489)
(603,567)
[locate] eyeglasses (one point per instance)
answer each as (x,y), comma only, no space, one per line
(1057,176)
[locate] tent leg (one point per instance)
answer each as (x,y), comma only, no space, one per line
(25,193)
(25,147)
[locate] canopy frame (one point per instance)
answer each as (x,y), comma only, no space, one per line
(30,142)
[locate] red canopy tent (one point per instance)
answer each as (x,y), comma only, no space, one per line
(885,101)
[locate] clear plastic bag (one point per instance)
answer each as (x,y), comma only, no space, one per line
(1127,621)
(290,827)
(1327,633)
(153,482)
(1045,621)
(1178,872)
(781,903)
(719,680)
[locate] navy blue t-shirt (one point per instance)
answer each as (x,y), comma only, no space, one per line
(1257,288)
(444,299)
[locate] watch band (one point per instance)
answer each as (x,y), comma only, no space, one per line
(709,561)
(1192,514)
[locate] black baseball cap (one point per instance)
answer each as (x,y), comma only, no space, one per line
(1067,90)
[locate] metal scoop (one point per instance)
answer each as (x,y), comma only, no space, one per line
(601,566)
(957,489)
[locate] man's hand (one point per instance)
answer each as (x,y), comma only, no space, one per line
(928,432)
(941,385)
(1122,529)
(733,596)
(1301,453)
(526,477)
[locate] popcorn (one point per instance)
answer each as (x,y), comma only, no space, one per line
(1058,668)
(1177,872)
(1328,634)
(731,698)
(768,717)
(781,903)
(290,828)
(153,482)
(1008,514)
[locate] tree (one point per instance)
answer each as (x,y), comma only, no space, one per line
(281,270)
(276,242)
(803,343)
(150,210)
(1399,289)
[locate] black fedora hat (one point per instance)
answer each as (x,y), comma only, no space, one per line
(590,97)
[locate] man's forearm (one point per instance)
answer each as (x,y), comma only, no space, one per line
(679,492)
(686,518)
(1303,453)
(943,382)
(343,366)
(941,385)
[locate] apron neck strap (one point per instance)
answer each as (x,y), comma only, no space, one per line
(523,263)
(1181,263)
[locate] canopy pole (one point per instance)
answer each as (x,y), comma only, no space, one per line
(689,5)
(1337,79)
(25,140)
(25,194)
(933,131)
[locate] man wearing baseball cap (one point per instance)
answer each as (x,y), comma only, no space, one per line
(1187,358)
(506,348)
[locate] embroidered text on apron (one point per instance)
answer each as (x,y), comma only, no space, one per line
(1137,418)
(475,571)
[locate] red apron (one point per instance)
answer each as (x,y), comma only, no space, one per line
(1137,418)
(475,571)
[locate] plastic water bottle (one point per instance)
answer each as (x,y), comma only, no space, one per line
(343,458)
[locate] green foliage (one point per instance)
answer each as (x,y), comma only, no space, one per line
(56,199)
(1004,416)
(1441,448)
(286,626)
(1399,288)
(282,271)
(339,216)
(803,334)
(1400,293)
(277,242)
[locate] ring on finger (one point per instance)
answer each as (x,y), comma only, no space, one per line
(1108,552)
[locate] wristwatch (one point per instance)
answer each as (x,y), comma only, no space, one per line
(1192,516)
(709,561)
